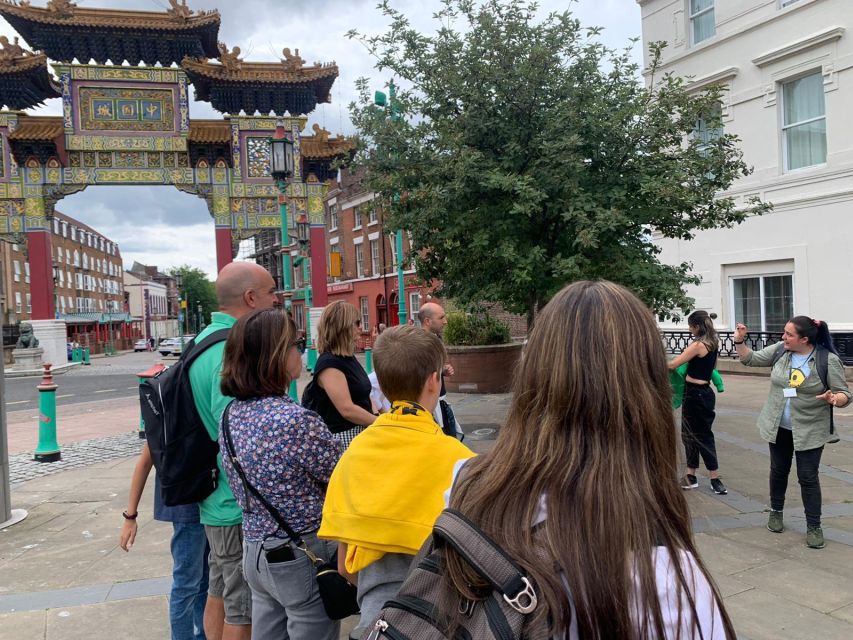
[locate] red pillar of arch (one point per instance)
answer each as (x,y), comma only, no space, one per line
(40,255)
(224,255)
(319,293)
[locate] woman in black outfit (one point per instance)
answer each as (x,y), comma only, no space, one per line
(340,391)
(697,411)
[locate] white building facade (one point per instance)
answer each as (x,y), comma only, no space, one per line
(148,302)
(787,66)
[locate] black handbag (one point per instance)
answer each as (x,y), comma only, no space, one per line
(337,594)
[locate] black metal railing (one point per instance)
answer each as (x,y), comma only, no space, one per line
(676,341)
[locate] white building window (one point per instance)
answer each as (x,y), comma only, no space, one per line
(17,269)
(61,276)
(56,226)
(356,218)
(18,308)
(68,256)
(374,257)
(708,129)
(26,272)
(804,122)
(763,303)
(59,254)
(702,24)
(359,260)
(29,303)
(333,217)
(364,307)
(373,215)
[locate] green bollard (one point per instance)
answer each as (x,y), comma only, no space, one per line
(76,354)
(86,355)
(293,392)
(368,360)
(311,360)
(48,448)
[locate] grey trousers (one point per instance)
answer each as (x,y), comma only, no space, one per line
(286,603)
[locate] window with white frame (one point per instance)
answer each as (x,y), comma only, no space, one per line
(702,24)
(392,241)
(17,270)
(59,254)
(364,307)
(29,303)
(18,307)
(763,302)
(374,257)
(414,303)
(64,229)
(356,217)
(709,128)
(359,260)
(333,217)
(56,226)
(26,272)
(61,276)
(68,256)
(372,215)
(803,122)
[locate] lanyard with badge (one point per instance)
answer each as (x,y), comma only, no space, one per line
(796,377)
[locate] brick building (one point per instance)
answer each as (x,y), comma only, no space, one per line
(357,239)
(87,274)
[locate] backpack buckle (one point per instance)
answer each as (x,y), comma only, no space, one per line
(525,600)
(466,607)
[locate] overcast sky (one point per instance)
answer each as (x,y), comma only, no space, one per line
(161,226)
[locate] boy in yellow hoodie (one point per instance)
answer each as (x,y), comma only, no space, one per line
(388,487)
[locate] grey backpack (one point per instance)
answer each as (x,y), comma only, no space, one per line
(504,614)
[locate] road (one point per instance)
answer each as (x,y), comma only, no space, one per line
(105,379)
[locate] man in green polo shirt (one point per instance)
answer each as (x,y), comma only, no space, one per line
(241,288)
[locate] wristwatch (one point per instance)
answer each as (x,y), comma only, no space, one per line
(126,516)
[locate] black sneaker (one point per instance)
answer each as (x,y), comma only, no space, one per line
(689,482)
(718,486)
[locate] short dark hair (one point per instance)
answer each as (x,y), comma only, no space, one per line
(254,364)
(405,357)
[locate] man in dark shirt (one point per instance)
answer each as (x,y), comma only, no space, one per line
(433,319)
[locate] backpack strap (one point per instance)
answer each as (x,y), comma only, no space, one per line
(821,357)
(487,559)
(195,349)
(780,351)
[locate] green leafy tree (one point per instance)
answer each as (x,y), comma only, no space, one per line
(528,155)
(195,288)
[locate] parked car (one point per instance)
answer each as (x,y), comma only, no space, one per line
(170,346)
(140,345)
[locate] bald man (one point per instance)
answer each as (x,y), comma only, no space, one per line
(433,319)
(241,288)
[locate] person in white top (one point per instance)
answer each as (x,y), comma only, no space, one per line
(588,456)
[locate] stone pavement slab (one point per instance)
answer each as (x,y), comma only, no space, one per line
(774,587)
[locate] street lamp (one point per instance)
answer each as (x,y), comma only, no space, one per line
(179,283)
(281,168)
(380,100)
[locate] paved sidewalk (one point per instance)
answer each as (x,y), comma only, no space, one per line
(63,576)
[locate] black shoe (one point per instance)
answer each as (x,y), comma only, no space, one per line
(689,482)
(718,486)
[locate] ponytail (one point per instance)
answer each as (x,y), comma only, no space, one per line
(815,331)
(707,332)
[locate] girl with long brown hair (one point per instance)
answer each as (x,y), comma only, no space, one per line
(698,407)
(587,458)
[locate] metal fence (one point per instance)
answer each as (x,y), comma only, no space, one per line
(676,341)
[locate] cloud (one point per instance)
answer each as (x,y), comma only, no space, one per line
(161,226)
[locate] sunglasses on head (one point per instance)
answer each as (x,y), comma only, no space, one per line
(300,344)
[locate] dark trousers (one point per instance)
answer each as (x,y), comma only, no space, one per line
(697,418)
(781,455)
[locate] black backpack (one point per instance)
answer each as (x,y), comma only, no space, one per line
(503,614)
(821,356)
(181,448)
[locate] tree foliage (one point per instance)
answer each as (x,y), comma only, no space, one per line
(196,288)
(528,155)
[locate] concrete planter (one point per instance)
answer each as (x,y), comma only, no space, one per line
(486,369)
